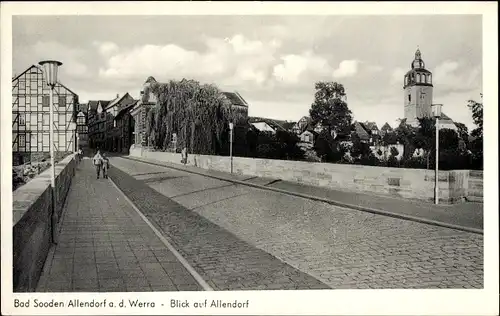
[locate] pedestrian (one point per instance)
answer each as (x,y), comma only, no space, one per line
(105,166)
(184,155)
(98,161)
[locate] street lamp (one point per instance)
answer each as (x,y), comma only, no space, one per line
(231,144)
(50,73)
(436,112)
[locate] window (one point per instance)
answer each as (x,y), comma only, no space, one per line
(46,119)
(22,140)
(45,101)
(62,119)
(33,119)
(46,142)
(418,78)
(22,119)
(81,120)
(62,101)
(409,97)
(430,78)
(34,86)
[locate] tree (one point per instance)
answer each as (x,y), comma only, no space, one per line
(330,109)
(198,114)
(476,146)
(327,148)
(477,116)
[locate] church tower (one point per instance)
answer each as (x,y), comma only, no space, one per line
(417,91)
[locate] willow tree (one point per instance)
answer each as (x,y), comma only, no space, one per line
(198,114)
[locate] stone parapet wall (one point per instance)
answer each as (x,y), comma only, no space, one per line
(32,226)
(397,182)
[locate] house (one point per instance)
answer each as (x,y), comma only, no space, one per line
(367,132)
(113,133)
(446,122)
(31,117)
(307,138)
(301,125)
(97,123)
(386,128)
(124,128)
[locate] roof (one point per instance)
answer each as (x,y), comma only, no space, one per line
(40,69)
(276,124)
(235,98)
(445,117)
(361,131)
(116,100)
(386,127)
(92,105)
(125,108)
(371,126)
(83,107)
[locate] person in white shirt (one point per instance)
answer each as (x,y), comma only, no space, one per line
(98,161)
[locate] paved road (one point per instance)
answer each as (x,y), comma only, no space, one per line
(212,222)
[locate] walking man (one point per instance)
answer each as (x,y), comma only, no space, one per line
(98,162)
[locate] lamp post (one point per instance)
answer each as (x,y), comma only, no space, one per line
(50,73)
(436,112)
(72,126)
(231,144)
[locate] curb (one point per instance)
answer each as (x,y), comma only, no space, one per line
(332,202)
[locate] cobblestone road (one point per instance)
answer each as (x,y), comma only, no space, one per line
(343,248)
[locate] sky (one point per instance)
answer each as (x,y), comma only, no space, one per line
(272,61)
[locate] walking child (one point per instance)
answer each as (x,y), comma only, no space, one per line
(105,166)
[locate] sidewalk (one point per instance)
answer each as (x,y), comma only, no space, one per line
(467,214)
(105,246)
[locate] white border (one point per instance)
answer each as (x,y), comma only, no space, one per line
(346,302)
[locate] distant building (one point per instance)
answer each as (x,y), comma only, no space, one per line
(308,138)
(124,129)
(113,141)
(97,123)
(418,90)
(31,117)
(269,125)
(386,128)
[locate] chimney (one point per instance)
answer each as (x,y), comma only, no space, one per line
(117,95)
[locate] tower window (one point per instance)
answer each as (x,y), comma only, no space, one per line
(409,97)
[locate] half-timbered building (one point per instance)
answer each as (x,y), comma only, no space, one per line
(31,114)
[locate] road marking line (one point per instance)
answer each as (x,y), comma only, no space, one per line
(164,240)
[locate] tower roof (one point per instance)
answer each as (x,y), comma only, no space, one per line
(418,63)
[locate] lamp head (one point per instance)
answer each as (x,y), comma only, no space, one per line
(50,71)
(436,110)
(231,125)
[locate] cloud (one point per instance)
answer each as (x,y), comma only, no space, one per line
(294,67)
(106,48)
(453,76)
(69,56)
(347,68)
(229,60)
(397,75)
